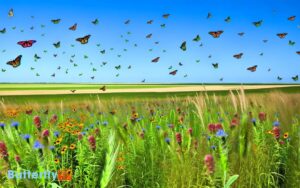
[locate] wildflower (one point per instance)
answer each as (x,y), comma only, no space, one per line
(113,112)
(45,133)
(63,149)
(56,133)
(56,161)
(158,127)
(51,148)
(142,134)
(178,138)
(234,122)
(276,132)
(276,123)
(218,126)
(2,125)
(72,146)
(262,116)
(15,125)
(120,167)
(37,122)
(105,123)
(211,127)
(167,140)
(92,142)
(26,137)
(17,158)
(213,147)
(286,135)
(58,141)
(29,111)
(80,136)
(3,151)
(97,131)
(221,133)
(53,119)
(190,131)
(253,120)
(171,126)
(270,132)
(37,145)
(281,142)
(209,163)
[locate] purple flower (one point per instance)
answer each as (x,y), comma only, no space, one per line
(221,133)
(15,124)
(38,145)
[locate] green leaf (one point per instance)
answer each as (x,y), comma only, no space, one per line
(231,180)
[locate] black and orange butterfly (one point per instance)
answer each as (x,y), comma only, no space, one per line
(73,27)
(282,35)
(155,60)
(238,56)
(173,72)
(84,40)
(103,88)
(295,78)
(291,18)
(252,69)
(166,15)
(298,52)
(73,90)
(216,34)
(16,62)
(215,65)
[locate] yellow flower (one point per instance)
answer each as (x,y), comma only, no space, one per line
(286,135)
(56,161)
(72,146)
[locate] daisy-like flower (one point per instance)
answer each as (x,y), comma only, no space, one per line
(72,146)
(58,141)
(56,161)
(286,135)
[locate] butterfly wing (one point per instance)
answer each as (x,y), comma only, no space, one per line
(298,52)
(183,46)
(173,72)
(73,27)
(252,69)
(291,18)
(16,62)
(155,60)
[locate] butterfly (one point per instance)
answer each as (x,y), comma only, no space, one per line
(127,22)
(26,43)
(73,27)
(37,74)
(94,69)
(84,40)
(282,35)
(170,67)
(198,61)
(58,68)
(216,34)
(163,25)
(13,28)
(117,75)
(85,56)
(221,79)
(3,30)
(261,54)
(292,43)
(55,21)
(155,60)
(16,62)
(56,45)
(209,15)
(252,69)
(183,46)
(54,55)
(265,41)
(269,69)
(102,51)
(166,15)
(279,78)
(295,78)
(31,28)
(228,19)
(149,21)
(143,81)
(73,90)
(11,12)
(209,56)
(75,65)
(3,70)
(173,72)
(185,75)
(238,56)
(104,63)
(149,36)
(103,88)
(95,22)
(291,18)
(53,75)
(92,77)
(180,64)
(197,38)
(215,65)
(298,52)
(241,34)
(258,23)
(80,74)
(32,68)
(129,67)
(118,67)
(67,71)
(36,57)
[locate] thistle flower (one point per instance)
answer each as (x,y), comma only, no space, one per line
(211,127)
(97,131)
(15,125)
(190,131)
(178,138)
(262,116)
(92,142)
(37,122)
(45,133)
(3,150)
(167,140)
(209,163)
(53,119)
(218,126)
(234,122)
(17,158)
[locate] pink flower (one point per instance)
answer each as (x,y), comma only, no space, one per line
(209,163)
(262,116)
(276,132)
(53,119)
(218,126)
(45,133)
(211,127)
(234,122)
(80,136)
(190,131)
(92,142)
(3,150)
(37,122)
(17,158)
(178,138)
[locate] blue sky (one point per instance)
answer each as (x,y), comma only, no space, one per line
(188,18)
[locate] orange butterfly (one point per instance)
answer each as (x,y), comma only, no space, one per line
(73,27)
(292,18)
(298,52)
(252,69)
(155,60)
(84,40)
(16,62)
(282,35)
(238,56)
(216,34)
(103,88)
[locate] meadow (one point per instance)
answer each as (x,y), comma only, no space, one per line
(208,139)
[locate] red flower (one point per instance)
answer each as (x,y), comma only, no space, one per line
(211,127)
(262,116)
(209,163)
(190,131)
(37,122)
(3,150)
(17,158)
(53,119)
(218,126)
(178,138)
(45,133)
(276,132)
(234,122)
(92,142)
